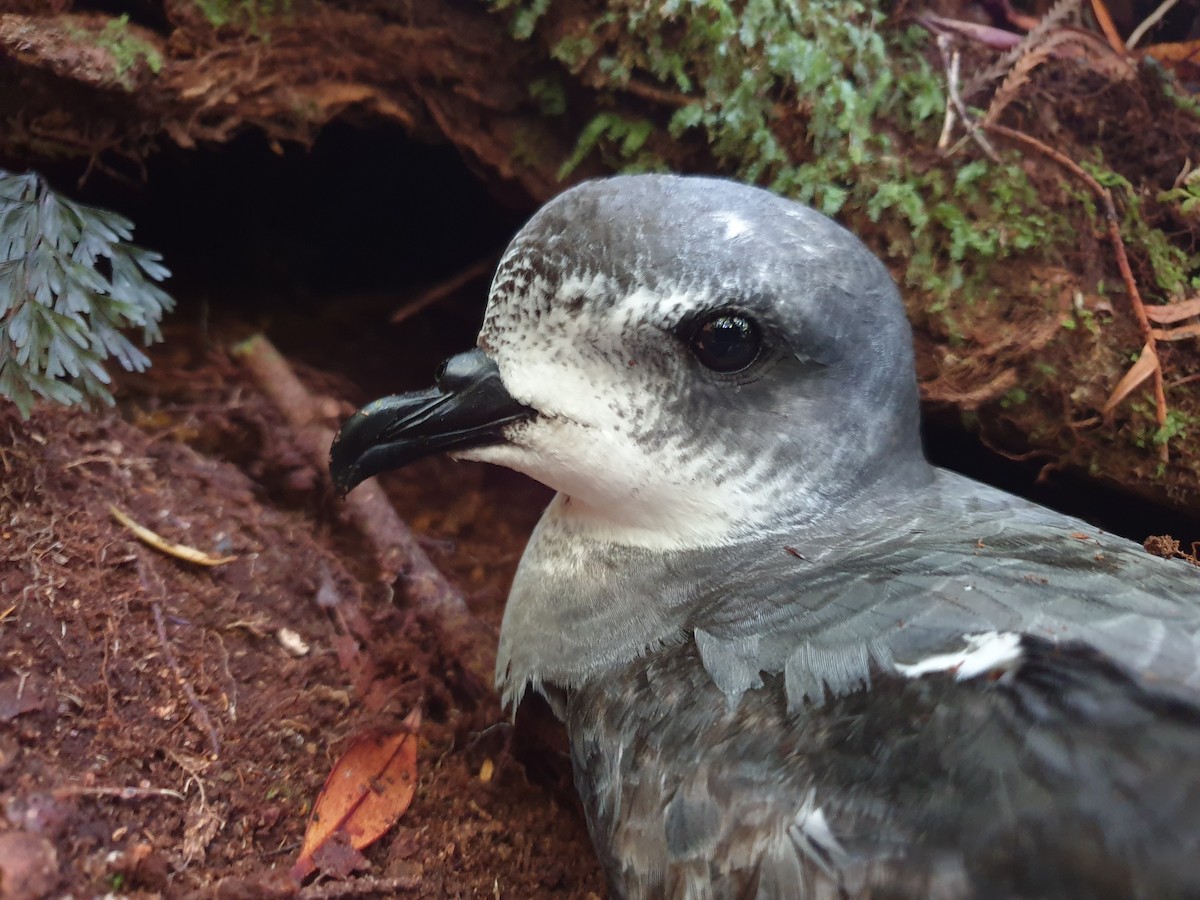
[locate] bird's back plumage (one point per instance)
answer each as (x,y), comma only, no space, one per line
(1043,784)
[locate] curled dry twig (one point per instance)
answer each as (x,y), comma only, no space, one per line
(153,539)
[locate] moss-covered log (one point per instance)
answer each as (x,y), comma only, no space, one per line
(1025,321)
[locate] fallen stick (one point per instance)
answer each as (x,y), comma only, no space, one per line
(152,584)
(443,289)
(360,887)
(369,510)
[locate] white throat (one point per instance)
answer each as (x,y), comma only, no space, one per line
(615,495)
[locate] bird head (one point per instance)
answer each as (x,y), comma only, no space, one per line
(685,360)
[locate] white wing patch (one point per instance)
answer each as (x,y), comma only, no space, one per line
(992,651)
(811,833)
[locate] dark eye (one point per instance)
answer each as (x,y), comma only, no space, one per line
(726,342)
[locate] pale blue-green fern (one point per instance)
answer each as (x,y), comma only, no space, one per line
(70,282)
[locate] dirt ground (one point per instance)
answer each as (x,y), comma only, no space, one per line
(158,736)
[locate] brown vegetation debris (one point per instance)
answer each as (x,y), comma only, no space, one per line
(129,667)
(368,789)
(443,72)
(1168,548)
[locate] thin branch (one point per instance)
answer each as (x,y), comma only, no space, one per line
(368,507)
(951,77)
(656,94)
(396,548)
(1149,22)
(198,709)
(444,289)
(152,584)
(120,793)
(1118,245)
(1106,25)
(360,887)
(952,62)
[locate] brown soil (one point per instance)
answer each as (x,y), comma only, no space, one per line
(156,736)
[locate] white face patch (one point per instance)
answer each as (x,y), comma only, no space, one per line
(987,653)
(628,474)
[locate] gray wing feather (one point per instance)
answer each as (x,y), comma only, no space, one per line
(1068,780)
(966,559)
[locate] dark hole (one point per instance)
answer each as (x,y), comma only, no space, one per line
(321,246)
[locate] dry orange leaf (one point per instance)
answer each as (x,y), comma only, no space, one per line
(1146,365)
(1174,312)
(1182,58)
(366,793)
(1182,333)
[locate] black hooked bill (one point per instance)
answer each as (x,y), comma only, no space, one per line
(469,407)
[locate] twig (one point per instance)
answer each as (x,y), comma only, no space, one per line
(121,793)
(231,694)
(179,551)
(656,94)
(444,289)
(368,508)
(1106,25)
(952,75)
(360,887)
(996,386)
(146,573)
(1149,22)
(197,707)
(952,62)
(1186,379)
(1118,245)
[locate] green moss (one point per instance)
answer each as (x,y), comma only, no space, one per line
(128,51)
(1178,424)
(745,72)
(1175,269)
(1014,397)
(249,15)
(825,103)
(620,140)
(550,95)
(1186,197)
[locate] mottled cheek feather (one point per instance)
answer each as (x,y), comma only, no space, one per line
(604,438)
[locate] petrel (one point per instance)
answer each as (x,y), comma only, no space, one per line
(794,659)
